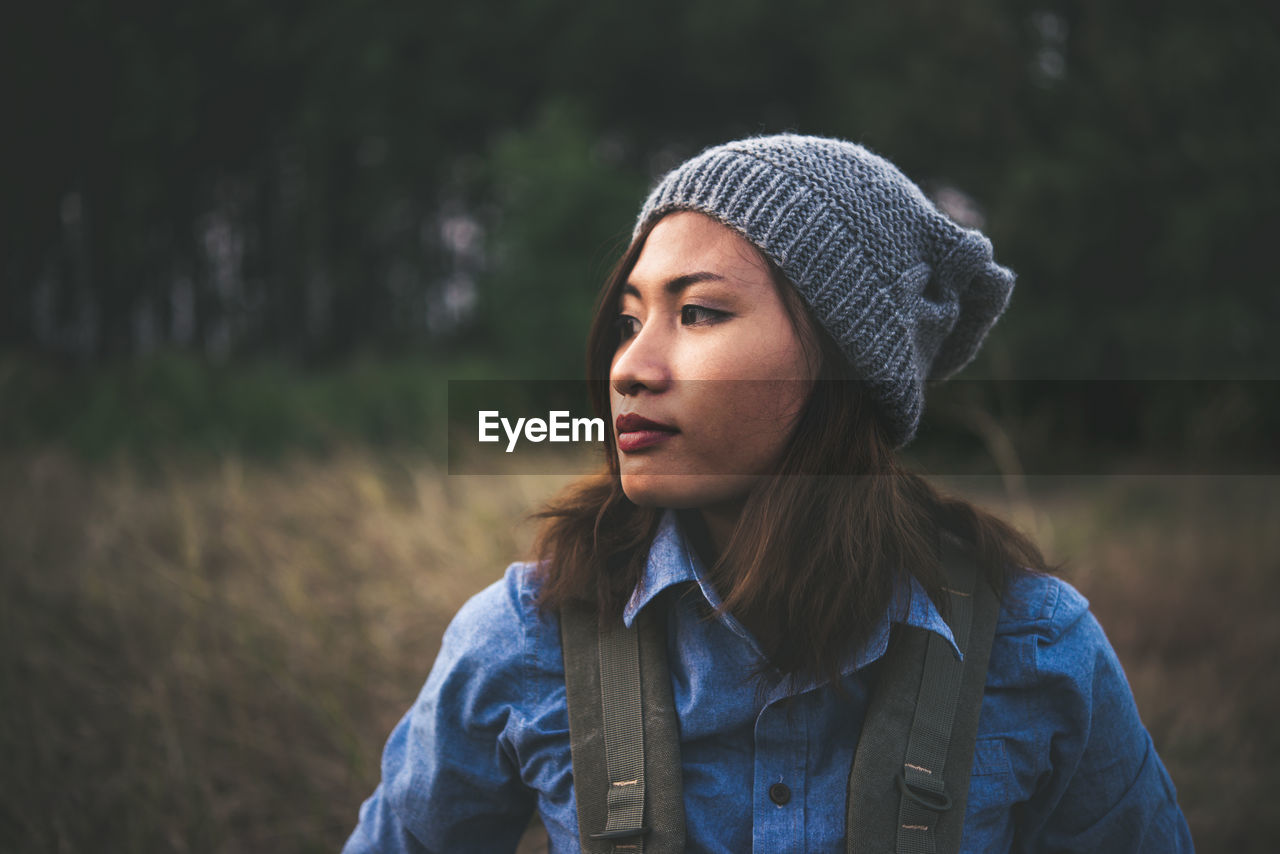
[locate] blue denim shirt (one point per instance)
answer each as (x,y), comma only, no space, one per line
(1062,761)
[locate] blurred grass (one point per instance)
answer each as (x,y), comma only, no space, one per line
(261,409)
(209,657)
(207,653)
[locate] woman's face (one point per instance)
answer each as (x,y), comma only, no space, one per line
(710,356)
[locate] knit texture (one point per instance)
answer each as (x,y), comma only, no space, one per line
(906,292)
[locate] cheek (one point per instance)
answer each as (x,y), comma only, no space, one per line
(739,427)
(762,349)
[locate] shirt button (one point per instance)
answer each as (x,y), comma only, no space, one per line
(780,794)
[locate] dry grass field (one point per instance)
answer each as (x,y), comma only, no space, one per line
(208,657)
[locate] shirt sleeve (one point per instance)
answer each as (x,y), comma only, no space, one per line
(450,778)
(1107,789)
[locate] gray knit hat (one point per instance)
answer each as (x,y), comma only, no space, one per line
(906,292)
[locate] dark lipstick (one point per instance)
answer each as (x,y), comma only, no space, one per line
(636,432)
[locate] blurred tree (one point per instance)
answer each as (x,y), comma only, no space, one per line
(565,206)
(312,180)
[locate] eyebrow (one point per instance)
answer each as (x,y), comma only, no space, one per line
(678,284)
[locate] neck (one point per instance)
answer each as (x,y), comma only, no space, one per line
(720,527)
(709,530)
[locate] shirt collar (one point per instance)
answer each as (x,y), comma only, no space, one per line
(672,560)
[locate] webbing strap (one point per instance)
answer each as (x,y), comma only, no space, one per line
(921,681)
(595,767)
(924,790)
(623,736)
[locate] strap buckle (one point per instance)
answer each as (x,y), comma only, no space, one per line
(935,801)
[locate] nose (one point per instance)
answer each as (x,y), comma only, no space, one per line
(642,363)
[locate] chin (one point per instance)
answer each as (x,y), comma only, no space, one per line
(684,491)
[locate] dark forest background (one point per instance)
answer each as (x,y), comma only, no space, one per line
(273,224)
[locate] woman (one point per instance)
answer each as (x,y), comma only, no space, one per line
(761,350)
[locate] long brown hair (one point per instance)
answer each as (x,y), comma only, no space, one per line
(821,545)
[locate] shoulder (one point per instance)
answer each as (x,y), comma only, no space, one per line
(1040,606)
(1051,649)
(1046,625)
(1059,703)
(499,643)
(501,621)
(1055,680)
(507,605)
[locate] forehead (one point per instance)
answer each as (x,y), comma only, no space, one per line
(686,242)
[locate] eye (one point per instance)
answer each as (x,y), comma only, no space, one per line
(693,315)
(627,326)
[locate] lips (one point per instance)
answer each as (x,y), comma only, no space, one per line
(630,423)
(636,432)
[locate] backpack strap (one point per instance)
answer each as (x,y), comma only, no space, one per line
(908,787)
(622,732)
